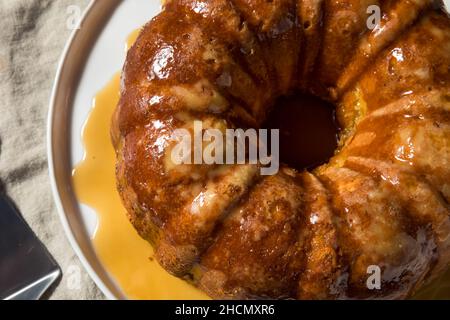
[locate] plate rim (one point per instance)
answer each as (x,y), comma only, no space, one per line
(104,282)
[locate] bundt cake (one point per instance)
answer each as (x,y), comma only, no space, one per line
(381,200)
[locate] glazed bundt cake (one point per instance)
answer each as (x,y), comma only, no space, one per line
(382,199)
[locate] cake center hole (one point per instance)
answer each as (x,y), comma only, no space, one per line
(308,130)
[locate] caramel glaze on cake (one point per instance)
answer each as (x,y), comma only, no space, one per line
(383,199)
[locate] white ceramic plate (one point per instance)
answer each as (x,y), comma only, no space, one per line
(94,53)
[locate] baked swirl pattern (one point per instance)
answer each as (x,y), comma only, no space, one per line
(383,199)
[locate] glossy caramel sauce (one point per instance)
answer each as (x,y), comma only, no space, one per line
(306,123)
(126,256)
(308,130)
